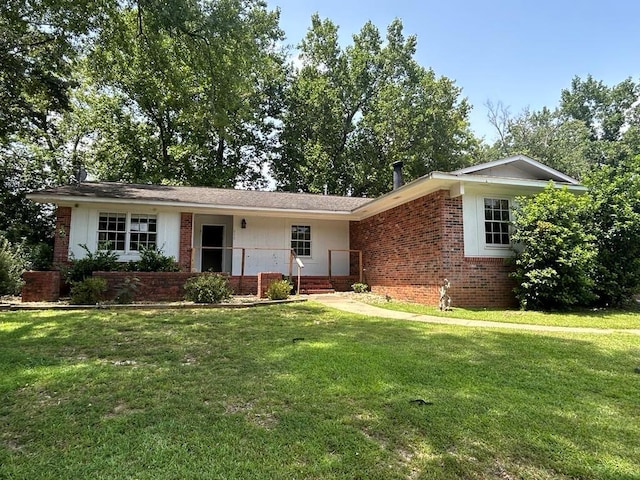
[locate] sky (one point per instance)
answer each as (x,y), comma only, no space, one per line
(521,53)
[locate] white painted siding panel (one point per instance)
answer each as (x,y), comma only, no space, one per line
(473,226)
(268,241)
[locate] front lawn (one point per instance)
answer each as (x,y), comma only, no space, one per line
(303,392)
(593,318)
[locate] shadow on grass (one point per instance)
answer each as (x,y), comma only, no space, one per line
(303,391)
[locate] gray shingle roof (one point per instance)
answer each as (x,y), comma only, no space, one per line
(205,196)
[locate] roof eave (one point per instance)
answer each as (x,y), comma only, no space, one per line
(67,200)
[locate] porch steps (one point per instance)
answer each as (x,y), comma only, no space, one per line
(310,285)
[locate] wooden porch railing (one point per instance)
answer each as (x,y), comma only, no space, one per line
(292,257)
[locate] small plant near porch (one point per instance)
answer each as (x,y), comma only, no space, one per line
(279,290)
(207,288)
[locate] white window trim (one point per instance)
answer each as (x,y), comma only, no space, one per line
(310,241)
(127,233)
(496,246)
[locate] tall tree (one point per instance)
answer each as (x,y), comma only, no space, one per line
(350,113)
(612,115)
(39,42)
(196,82)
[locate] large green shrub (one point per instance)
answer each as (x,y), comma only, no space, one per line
(99,261)
(279,290)
(614,213)
(154,261)
(555,253)
(12,264)
(88,291)
(207,288)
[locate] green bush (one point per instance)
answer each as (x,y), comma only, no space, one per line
(12,264)
(279,290)
(40,256)
(126,291)
(359,287)
(88,291)
(154,261)
(99,261)
(555,253)
(207,288)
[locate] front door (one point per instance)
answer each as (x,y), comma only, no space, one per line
(212,252)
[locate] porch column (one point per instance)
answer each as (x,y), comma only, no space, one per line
(186,241)
(61,236)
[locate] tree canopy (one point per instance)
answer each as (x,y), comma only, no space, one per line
(351,112)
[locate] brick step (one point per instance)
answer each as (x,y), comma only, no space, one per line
(310,285)
(310,291)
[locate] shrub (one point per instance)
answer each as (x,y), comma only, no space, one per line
(126,291)
(279,290)
(614,212)
(99,261)
(359,287)
(555,253)
(40,256)
(154,261)
(207,288)
(88,291)
(12,264)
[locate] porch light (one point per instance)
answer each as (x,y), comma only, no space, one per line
(243,223)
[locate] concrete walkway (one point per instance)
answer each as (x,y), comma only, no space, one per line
(349,304)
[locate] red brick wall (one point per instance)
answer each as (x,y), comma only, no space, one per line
(168,286)
(186,239)
(61,237)
(41,286)
(409,250)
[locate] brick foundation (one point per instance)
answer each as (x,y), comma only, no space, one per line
(409,250)
(41,286)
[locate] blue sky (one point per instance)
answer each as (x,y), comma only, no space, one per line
(521,53)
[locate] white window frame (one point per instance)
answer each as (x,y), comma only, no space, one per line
(306,243)
(504,224)
(128,231)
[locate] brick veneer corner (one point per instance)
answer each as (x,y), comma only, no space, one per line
(41,286)
(186,240)
(61,236)
(409,250)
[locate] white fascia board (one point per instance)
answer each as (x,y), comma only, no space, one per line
(69,201)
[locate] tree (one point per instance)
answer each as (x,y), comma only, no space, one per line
(594,124)
(612,115)
(350,113)
(195,82)
(38,45)
(614,213)
(555,251)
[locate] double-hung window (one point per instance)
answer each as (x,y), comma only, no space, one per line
(301,240)
(496,221)
(127,232)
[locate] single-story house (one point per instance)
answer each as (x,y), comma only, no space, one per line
(453,226)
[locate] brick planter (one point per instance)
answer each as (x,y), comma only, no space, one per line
(41,286)
(168,286)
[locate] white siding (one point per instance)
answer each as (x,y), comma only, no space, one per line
(473,224)
(268,241)
(84,230)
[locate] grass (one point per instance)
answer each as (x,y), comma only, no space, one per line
(595,318)
(304,392)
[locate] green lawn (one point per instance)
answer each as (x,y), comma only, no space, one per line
(596,318)
(303,392)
